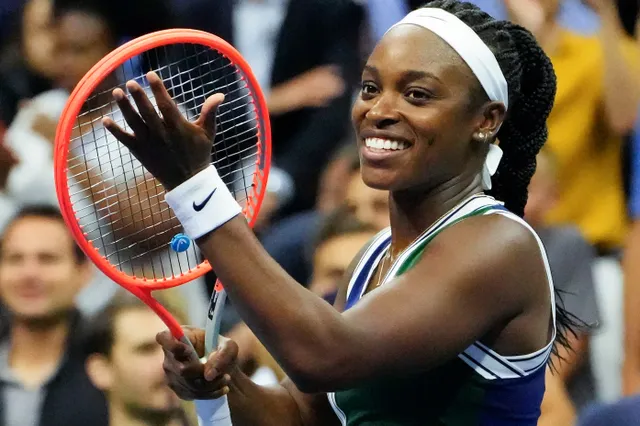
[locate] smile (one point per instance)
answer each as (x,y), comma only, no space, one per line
(385,144)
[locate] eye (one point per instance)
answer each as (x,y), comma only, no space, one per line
(418,95)
(369,89)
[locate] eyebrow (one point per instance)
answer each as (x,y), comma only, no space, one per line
(407,76)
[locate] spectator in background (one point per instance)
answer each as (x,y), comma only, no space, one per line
(625,412)
(596,104)
(571,261)
(305,55)
(125,362)
(26,58)
(84,33)
(41,273)
(341,236)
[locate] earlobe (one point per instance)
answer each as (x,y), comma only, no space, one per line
(481,136)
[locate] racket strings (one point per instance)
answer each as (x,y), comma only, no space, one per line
(120,207)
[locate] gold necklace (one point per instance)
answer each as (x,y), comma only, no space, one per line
(389,254)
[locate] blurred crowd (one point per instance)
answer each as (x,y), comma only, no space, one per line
(77,350)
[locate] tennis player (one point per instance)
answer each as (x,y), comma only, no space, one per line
(449,316)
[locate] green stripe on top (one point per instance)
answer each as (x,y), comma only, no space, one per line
(416,253)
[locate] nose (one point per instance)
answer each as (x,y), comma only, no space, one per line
(384,111)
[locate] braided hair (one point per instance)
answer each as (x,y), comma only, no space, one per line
(532,88)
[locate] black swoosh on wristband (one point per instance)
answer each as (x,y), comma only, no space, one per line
(198,207)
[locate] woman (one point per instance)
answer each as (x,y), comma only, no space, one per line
(451,330)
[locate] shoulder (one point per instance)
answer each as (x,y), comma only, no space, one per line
(489,253)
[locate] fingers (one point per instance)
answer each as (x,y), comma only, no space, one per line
(125,138)
(145,107)
(207,119)
(196,337)
(167,107)
(222,360)
(132,118)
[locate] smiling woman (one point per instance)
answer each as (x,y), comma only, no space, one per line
(449,315)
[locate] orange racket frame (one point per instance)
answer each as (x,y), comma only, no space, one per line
(142,287)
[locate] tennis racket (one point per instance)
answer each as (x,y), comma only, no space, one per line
(113,206)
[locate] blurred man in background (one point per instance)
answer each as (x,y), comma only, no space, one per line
(125,362)
(42,376)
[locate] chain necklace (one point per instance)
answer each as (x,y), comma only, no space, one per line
(389,254)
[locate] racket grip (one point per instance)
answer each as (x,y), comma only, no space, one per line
(213,412)
(194,355)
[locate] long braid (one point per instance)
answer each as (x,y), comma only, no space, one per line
(532,88)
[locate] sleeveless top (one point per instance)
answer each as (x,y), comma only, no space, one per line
(477,388)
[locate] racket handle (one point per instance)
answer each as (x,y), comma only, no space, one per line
(213,412)
(212,333)
(193,355)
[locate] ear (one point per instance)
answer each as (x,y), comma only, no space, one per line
(85,273)
(99,371)
(492,116)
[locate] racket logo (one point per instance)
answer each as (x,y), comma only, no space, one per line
(198,207)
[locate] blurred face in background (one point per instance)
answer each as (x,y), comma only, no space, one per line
(82,40)
(370,206)
(132,376)
(40,274)
(332,258)
(37,37)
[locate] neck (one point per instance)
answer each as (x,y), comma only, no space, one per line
(27,342)
(411,212)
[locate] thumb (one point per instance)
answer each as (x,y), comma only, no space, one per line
(207,119)
(221,361)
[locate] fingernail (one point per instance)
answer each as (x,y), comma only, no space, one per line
(118,95)
(210,374)
(225,390)
(227,378)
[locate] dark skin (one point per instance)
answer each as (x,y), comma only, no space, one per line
(482,279)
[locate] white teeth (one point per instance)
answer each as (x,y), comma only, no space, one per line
(385,144)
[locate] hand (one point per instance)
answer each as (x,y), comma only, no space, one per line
(312,89)
(169,146)
(527,13)
(247,343)
(7,161)
(191,379)
(45,126)
(602,7)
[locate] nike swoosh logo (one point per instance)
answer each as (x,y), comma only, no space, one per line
(198,207)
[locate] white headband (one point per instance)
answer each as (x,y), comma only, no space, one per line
(469,46)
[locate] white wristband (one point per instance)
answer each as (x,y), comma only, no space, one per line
(213,412)
(202,203)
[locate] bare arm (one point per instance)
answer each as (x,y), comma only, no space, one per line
(250,404)
(631,373)
(136,213)
(569,360)
(556,408)
(434,302)
(621,80)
